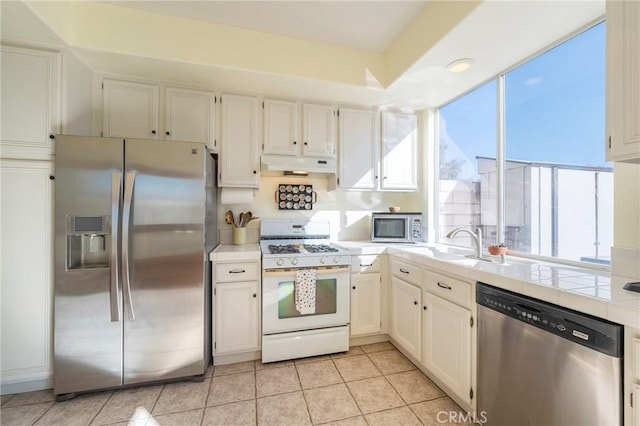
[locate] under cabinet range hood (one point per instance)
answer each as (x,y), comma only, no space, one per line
(278,165)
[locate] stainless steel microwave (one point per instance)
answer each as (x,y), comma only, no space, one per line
(400,227)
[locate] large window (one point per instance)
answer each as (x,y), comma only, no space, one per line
(556,189)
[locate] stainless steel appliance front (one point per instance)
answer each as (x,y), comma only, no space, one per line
(143,313)
(400,227)
(532,371)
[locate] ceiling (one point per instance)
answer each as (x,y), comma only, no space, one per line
(388,54)
(367,25)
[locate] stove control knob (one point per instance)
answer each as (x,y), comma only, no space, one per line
(294,261)
(323,260)
(279,262)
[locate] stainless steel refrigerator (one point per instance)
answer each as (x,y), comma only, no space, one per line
(134,223)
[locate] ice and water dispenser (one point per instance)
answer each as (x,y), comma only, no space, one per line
(88,242)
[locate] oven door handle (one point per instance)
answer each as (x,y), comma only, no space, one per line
(324,270)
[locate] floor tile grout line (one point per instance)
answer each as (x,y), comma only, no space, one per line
(93,419)
(53,403)
(255,392)
(206,399)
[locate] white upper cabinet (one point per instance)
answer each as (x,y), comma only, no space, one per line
(359,142)
(31,82)
(623,80)
(318,131)
(189,116)
(281,127)
(399,152)
(240,153)
(129,109)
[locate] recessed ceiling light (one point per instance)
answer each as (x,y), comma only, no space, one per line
(460,65)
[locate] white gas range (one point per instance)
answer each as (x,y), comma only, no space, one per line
(305,290)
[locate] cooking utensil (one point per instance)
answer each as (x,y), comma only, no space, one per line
(244,219)
(228,217)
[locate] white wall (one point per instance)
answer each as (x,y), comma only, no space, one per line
(78,90)
(349,212)
(626,205)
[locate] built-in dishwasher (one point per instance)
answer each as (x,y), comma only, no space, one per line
(541,364)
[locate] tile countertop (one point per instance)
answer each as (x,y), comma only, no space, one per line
(593,292)
(227,252)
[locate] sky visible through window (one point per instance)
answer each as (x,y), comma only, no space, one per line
(555,106)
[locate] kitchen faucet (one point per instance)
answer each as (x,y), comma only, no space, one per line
(476,234)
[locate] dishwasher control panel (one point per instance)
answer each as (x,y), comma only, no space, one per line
(584,329)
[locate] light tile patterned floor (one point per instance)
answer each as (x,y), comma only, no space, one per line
(369,385)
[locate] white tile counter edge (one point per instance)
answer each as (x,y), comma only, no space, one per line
(229,252)
(563,285)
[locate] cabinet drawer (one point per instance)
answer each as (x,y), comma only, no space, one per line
(455,291)
(227,272)
(405,271)
(365,264)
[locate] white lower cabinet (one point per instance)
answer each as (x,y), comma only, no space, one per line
(26,284)
(236,307)
(631,376)
(406,314)
(446,351)
(237,317)
(365,304)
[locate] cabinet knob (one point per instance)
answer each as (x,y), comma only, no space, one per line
(51,137)
(305,143)
(424,308)
(295,143)
(254,295)
(254,172)
(354,287)
(415,302)
(153,132)
(167,133)
(384,177)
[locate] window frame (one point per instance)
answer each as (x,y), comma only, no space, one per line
(501,157)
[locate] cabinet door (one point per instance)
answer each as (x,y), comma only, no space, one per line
(358,137)
(635,415)
(447,343)
(26,218)
(190,116)
(623,80)
(318,131)
(365,304)
(240,157)
(30,102)
(280,127)
(237,317)
(406,315)
(129,110)
(399,151)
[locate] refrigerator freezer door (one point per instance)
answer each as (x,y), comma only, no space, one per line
(87,330)
(166,339)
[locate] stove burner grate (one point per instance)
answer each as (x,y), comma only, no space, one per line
(320,248)
(283,249)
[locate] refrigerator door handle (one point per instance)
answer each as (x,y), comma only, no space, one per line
(126,223)
(116,186)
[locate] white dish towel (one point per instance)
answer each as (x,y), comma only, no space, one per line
(305,291)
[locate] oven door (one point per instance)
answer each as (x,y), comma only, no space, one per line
(279,313)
